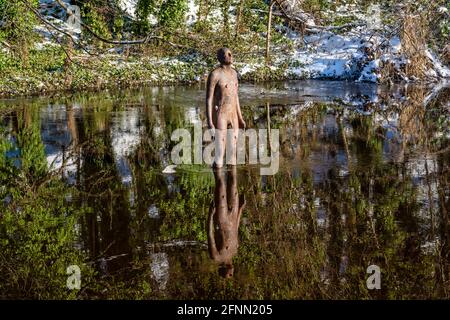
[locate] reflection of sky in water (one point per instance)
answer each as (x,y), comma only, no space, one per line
(125,136)
(14,152)
(160,269)
(57,138)
(153,212)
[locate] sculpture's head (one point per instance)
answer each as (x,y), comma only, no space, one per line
(225,56)
(226,270)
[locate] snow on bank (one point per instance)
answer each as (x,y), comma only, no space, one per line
(439,69)
(55,14)
(350,56)
(359,54)
(192,12)
(129,7)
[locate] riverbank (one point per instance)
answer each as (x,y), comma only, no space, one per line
(52,76)
(49,71)
(350,47)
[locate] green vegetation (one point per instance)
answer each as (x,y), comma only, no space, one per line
(38,225)
(17,26)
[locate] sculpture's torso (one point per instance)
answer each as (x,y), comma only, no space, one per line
(225,97)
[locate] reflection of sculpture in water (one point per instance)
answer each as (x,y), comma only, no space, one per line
(223,221)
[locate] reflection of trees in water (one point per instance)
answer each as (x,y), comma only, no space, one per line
(443,254)
(37,224)
(106,225)
(377,201)
(32,155)
(352,190)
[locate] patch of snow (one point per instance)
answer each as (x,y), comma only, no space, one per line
(326,55)
(351,55)
(129,6)
(395,44)
(153,212)
(442,70)
(170,169)
(58,16)
(369,72)
(244,68)
(42,45)
(191,14)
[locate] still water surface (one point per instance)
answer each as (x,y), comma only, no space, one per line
(363,179)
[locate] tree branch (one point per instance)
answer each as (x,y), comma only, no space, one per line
(6,44)
(302,20)
(129,42)
(69,12)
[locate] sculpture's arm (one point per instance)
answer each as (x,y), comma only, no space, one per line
(210,85)
(211,241)
(242,204)
(238,106)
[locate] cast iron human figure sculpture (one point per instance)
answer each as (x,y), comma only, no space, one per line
(222,106)
(223,221)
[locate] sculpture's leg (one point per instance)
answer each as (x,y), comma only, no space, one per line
(234,139)
(232,190)
(220,141)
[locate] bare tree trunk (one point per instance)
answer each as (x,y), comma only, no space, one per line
(72,125)
(238,18)
(269,27)
(269,141)
(206,12)
(200,10)
(226,17)
(68,59)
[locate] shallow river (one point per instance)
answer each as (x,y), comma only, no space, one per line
(363,180)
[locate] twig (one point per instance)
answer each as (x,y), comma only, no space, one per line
(6,44)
